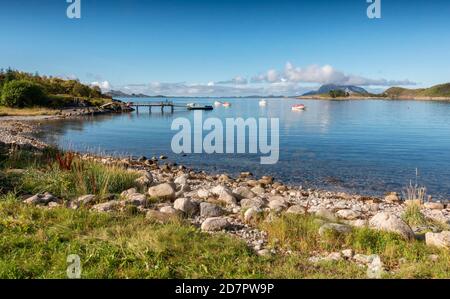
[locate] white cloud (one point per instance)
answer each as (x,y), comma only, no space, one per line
(104,85)
(238,80)
(322,75)
(290,81)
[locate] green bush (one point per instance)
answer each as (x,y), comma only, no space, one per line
(22,93)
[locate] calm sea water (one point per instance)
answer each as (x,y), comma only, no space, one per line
(367,146)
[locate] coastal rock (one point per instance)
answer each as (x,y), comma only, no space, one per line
(224,178)
(186,205)
(297,210)
(128,192)
(266,180)
(215,224)
(392,198)
(389,222)
(278,205)
(244,192)
(364,259)
(106,207)
(169,210)
(252,214)
(348,214)
(145,180)
(163,191)
(86,199)
(334,228)
(258,190)
(41,199)
(136,199)
(326,214)
(248,203)
(441,240)
(182,180)
(224,194)
(203,194)
(160,217)
(209,210)
(277,197)
(82,201)
(347,253)
(434,205)
(357,222)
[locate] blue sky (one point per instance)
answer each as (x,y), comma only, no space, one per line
(229,47)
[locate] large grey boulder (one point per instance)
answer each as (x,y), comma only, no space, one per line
(326,214)
(348,214)
(41,199)
(209,210)
(182,179)
(163,191)
(278,205)
(186,205)
(441,240)
(106,207)
(224,194)
(296,210)
(244,192)
(215,224)
(248,203)
(391,223)
(334,228)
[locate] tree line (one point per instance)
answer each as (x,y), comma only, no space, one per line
(21,89)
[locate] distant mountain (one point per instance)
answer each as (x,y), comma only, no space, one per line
(325,89)
(437,91)
(121,94)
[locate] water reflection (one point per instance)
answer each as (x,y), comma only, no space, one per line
(362,146)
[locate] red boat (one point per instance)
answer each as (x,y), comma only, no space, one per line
(299,107)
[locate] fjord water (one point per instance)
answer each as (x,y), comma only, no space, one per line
(364,146)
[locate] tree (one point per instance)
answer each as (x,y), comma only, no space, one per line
(80,90)
(22,93)
(338,93)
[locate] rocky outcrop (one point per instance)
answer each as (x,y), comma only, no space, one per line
(440,240)
(391,223)
(163,191)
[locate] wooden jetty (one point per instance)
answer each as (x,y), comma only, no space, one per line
(162,105)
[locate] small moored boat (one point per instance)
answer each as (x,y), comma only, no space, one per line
(217,103)
(299,107)
(226,104)
(199,107)
(262,103)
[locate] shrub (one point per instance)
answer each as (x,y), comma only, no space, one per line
(22,93)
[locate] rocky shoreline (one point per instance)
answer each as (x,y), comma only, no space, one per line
(219,203)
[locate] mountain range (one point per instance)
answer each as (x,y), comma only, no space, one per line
(350,89)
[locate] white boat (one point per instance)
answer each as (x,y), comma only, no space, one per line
(299,107)
(217,103)
(263,103)
(226,104)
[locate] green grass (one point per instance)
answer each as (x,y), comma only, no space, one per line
(300,233)
(413,216)
(35,242)
(43,173)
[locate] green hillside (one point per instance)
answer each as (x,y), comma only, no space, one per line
(437,91)
(22,90)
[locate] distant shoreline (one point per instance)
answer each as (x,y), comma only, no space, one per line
(374,98)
